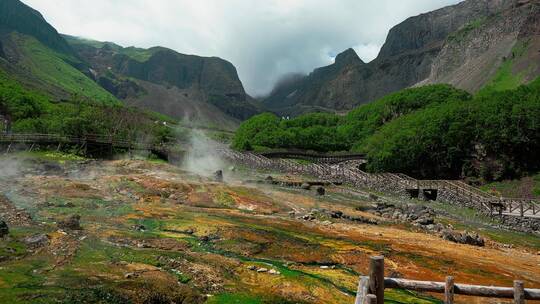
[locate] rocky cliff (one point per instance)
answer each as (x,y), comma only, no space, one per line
(160,79)
(416,51)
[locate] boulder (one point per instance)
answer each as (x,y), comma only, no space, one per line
(424,221)
(4,229)
(336,214)
(139,227)
(306,186)
(321,191)
(71,222)
(274,272)
(218,176)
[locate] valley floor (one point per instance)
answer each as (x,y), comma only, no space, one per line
(153,233)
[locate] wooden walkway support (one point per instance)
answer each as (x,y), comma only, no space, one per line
(518,292)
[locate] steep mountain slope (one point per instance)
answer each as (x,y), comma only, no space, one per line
(417,51)
(501,51)
(160,79)
(35,54)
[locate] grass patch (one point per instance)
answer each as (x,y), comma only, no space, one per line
(52,68)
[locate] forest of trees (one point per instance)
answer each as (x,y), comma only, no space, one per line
(434,131)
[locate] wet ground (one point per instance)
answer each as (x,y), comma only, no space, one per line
(153,233)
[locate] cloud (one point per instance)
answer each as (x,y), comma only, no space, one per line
(263,39)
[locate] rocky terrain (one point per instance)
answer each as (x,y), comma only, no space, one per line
(469,45)
(135,231)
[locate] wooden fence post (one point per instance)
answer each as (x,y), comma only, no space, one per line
(370,299)
(376,278)
(449,290)
(363,290)
(519,292)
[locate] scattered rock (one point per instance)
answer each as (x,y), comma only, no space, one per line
(466,237)
(140,228)
(308,217)
(336,214)
(321,191)
(72,222)
(274,272)
(425,221)
(4,229)
(35,241)
(130,275)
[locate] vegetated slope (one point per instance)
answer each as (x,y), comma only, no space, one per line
(35,54)
(31,111)
(43,90)
(160,79)
(464,45)
(434,132)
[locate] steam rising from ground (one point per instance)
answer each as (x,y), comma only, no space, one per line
(202,157)
(9,168)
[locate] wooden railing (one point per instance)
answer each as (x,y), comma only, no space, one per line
(461,193)
(35,138)
(371,288)
(312,156)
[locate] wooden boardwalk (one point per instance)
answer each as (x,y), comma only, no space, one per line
(315,157)
(100,144)
(452,191)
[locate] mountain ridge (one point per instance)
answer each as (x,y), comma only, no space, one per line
(406,59)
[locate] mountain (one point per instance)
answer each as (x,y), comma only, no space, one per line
(204,89)
(473,44)
(33,53)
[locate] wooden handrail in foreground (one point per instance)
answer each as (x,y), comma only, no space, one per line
(373,285)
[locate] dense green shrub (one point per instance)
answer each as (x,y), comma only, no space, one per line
(32,112)
(433,131)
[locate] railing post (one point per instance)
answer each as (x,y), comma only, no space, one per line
(519,292)
(376,278)
(363,290)
(449,290)
(370,299)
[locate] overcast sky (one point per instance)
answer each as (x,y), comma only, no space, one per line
(264,39)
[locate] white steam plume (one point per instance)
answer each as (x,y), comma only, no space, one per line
(202,157)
